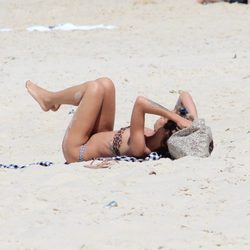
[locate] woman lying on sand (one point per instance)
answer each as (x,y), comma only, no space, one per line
(90,133)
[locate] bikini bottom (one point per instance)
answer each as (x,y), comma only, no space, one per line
(82,151)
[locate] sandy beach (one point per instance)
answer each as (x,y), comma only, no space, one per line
(156,48)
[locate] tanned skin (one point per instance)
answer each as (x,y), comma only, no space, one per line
(93,122)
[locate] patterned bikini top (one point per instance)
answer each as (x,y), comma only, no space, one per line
(117,141)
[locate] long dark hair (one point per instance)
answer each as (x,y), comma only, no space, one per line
(171,128)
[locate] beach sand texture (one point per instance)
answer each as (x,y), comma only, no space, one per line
(158,47)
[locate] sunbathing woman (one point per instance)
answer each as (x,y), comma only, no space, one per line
(90,133)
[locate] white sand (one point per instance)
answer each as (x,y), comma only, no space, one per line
(158,46)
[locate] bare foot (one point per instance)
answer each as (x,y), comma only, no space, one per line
(41,96)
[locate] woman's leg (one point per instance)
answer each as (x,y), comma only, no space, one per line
(95,112)
(106,118)
(49,100)
(52,100)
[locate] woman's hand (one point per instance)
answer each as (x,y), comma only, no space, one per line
(183,123)
(160,123)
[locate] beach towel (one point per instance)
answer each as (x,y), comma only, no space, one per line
(18,166)
(152,156)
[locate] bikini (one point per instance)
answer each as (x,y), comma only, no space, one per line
(117,141)
(82,151)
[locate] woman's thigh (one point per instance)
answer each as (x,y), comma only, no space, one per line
(84,120)
(95,113)
(106,118)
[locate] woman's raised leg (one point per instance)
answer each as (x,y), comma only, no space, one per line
(95,112)
(105,121)
(49,100)
(52,100)
(83,121)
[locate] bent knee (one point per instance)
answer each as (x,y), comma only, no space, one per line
(104,79)
(106,82)
(96,88)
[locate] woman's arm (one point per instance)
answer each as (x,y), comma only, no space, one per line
(144,106)
(185,100)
